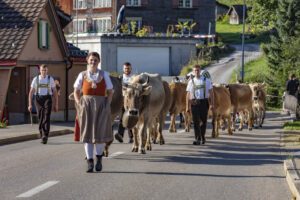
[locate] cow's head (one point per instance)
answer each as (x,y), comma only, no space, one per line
(258,91)
(135,97)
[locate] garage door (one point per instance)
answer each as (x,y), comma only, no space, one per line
(145,59)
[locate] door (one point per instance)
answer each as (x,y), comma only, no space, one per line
(145,59)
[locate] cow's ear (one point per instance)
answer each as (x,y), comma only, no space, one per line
(147,90)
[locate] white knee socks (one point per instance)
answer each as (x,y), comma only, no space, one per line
(89,149)
(99,149)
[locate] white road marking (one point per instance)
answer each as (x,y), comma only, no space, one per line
(115,154)
(38,189)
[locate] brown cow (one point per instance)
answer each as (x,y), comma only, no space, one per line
(259,103)
(241,100)
(178,103)
(222,108)
(115,106)
(157,125)
(144,98)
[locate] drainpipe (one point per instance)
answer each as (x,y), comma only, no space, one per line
(67,88)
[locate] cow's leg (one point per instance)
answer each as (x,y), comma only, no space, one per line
(250,119)
(263,117)
(242,116)
(161,123)
(217,126)
(135,139)
(233,119)
(228,122)
(149,130)
(106,146)
(142,137)
(187,121)
(173,124)
(214,123)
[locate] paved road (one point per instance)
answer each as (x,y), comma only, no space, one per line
(246,165)
(221,71)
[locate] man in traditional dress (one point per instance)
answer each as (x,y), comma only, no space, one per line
(44,87)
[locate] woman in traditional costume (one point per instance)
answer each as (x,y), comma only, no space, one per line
(93,110)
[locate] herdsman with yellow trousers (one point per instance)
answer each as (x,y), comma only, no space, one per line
(199,89)
(44,87)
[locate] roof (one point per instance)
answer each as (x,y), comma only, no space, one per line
(64,18)
(75,52)
(222,5)
(17,18)
(238,9)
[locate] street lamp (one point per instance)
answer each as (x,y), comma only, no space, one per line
(243,41)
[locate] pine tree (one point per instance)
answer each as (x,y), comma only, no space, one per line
(286,27)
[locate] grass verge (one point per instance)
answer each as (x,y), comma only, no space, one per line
(292,126)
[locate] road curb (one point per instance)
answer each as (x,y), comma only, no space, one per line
(292,177)
(33,136)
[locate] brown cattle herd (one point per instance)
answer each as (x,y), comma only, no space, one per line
(148,99)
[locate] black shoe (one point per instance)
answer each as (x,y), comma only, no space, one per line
(130,140)
(90,166)
(119,137)
(98,165)
(196,142)
(44,140)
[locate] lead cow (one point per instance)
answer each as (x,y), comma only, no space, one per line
(144,100)
(259,103)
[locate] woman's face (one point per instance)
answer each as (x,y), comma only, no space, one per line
(93,62)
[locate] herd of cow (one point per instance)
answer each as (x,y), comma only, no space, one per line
(148,99)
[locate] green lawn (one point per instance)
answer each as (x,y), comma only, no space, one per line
(232,33)
(291,125)
(255,71)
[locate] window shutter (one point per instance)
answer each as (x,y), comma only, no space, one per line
(122,2)
(195,4)
(175,3)
(144,3)
(48,35)
(40,35)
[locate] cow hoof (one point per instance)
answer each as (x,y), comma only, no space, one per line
(154,141)
(105,153)
(240,129)
(223,129)
(162,142)
(149,148)
(230,133)
(134,149)
(142,151)
(250,129)
(260,126)
(213,135)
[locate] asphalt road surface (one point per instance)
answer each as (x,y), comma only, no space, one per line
(246,165)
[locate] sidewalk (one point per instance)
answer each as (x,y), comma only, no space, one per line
(18,133)
(292,164)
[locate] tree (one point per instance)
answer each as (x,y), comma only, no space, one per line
(277,53)
(262,15)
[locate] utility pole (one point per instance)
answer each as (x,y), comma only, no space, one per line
(243,42)
(77,24)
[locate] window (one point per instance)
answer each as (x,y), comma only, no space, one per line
(102,24)
(44,35)
(102,3)
(81,26)
(185,4)
(137,20)
(133,2)
(81,4)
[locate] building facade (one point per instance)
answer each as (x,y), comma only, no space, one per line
(94,16)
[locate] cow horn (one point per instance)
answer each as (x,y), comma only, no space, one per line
(146,83)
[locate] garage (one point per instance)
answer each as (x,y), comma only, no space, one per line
(145,59)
